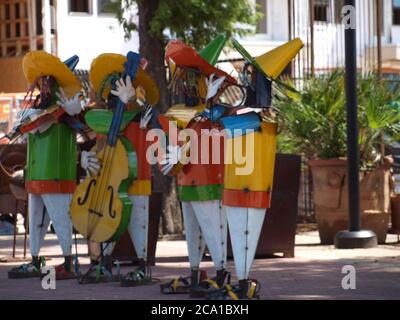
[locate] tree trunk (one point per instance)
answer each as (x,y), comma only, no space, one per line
(152,48)
(172,222)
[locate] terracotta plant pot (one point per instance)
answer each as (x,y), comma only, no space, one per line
(395,205)
(330,188)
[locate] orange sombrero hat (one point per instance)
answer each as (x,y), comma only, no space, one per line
(185,56)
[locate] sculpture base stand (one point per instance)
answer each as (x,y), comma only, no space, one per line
(362,239)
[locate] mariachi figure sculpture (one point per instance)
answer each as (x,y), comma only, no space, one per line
(52,156)
(199,182)
(115,88)
(248,185)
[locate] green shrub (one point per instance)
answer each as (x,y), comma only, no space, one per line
(314,120)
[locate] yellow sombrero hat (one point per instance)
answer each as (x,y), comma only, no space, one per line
(275,61)
(40,63)
(108,63)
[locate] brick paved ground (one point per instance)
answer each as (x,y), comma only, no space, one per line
(315,273)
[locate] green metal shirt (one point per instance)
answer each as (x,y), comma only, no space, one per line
(52,154)
(200,193)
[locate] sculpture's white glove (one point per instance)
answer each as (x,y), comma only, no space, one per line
(213,87)
(170,158)
(147,114)
(71,106)
(90,163)
(124,90)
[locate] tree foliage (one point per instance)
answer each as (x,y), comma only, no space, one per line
(195,22)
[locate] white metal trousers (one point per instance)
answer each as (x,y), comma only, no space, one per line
(139,224)
(55,207)
(205,224)
(138,227)
(245,226)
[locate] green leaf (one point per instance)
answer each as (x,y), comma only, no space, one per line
(196,22)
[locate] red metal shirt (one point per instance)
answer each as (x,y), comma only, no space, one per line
(137,137)
(209,167)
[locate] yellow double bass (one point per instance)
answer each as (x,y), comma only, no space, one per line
(100,207)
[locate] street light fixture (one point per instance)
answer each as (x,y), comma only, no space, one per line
(354,237)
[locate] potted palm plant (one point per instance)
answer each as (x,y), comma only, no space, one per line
(395,204)
(315,121)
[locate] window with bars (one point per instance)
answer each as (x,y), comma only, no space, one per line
(262,24)
(328,11)
(80,6)
(396,12)
(338,4)
(20,27)
(108,6)
(321,8)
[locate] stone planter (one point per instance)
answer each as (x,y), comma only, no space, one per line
(330,188)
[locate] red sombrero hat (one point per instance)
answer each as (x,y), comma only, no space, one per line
(185,56)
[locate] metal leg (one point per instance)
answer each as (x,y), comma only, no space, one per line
(26,224)
(288,253)
(15,227)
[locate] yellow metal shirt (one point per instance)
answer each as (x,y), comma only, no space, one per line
(250,160)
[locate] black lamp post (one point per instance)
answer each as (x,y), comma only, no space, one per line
(354,237)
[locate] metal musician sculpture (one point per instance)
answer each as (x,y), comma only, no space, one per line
(106,81)
(100,208)
(248,185)
(51,163)
(199,184)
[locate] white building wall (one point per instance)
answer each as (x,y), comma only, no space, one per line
(328,37)
(278,15)
(388,20)
(394,31)
(89,35)
(277,31)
